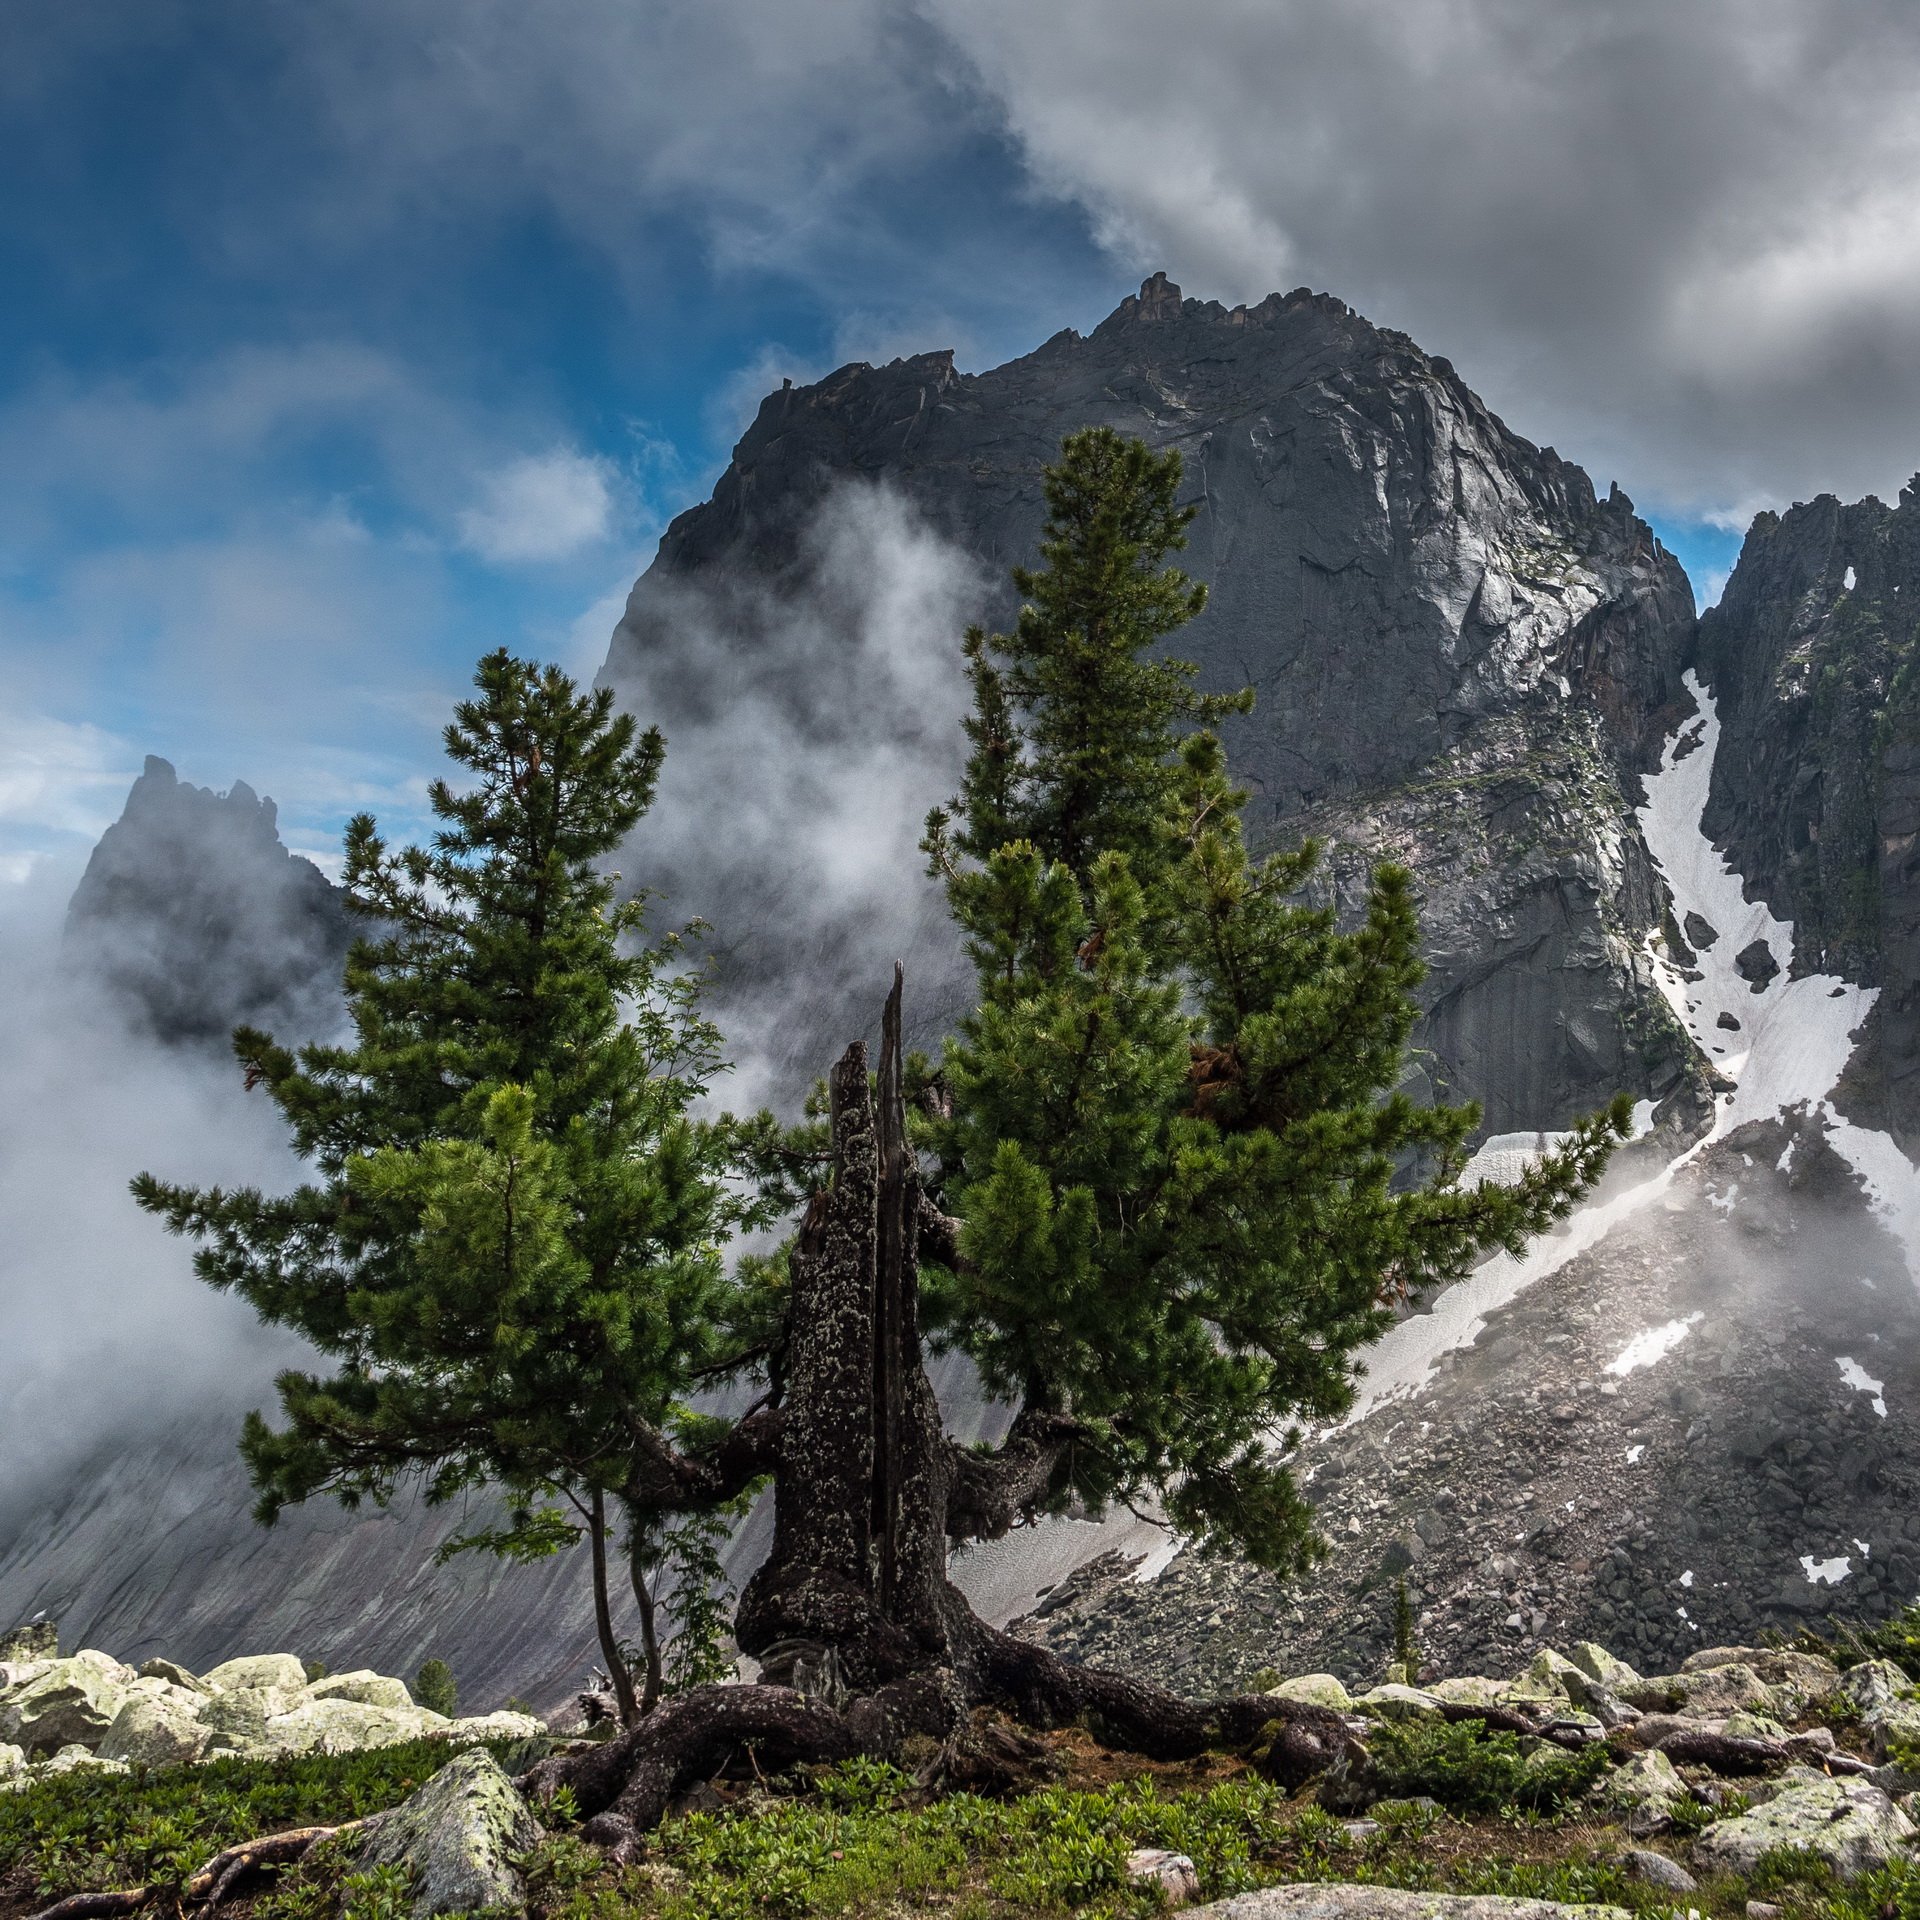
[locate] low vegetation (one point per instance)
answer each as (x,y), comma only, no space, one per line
(863,1840)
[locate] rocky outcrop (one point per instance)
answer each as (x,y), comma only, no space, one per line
(1461,655)
(93,1708)
(197,919)
(1816,787)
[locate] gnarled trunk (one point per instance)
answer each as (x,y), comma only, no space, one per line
(861,1637)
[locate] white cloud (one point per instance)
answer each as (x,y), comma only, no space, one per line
(542,506)
(1677,241)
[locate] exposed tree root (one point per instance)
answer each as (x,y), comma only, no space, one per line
(211,1884)
(625,1786)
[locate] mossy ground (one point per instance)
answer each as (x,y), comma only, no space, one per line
(862,1841)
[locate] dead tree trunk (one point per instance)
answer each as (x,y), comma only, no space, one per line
(861,1636)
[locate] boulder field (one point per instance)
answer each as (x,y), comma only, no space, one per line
(91,1710)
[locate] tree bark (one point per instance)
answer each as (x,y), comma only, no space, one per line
(617,1670)
(649,1618)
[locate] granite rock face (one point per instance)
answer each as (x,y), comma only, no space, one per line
(1816,787)
(197,919)
(1461,654)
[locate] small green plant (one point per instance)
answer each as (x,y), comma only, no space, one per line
(1264,1680)
(1469,1769)
(315,1670)
(1406,1651)
(1790,1869)
(380,1893)
(434,1689)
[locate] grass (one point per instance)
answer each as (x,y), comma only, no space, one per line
(863,1842)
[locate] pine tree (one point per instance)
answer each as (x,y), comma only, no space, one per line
(511,1248)
(1175,1145)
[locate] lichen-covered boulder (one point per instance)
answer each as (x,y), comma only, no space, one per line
(344,1726)
(157,1729)
(1394,1702)
(173,1675)
(1894,1725)
(15,1674)
(1311,1900)
(1314,1690)
(366,1688)
(13,1760)
(1873,1683)
(1730,1688)
(1469,1690)
(236,1720)
(77,1759)
(1643,1792)
(472,1727)
(1550,1676)
(72,1703)
(1849,1823)
(1597,1667)
(459,1835)
(255,1671)
(1798,1679)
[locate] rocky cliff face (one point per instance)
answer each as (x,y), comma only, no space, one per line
(1816,790)
(1462,656)
(197,919)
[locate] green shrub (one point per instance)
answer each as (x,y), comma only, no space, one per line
(1470,1769)
(433,1688)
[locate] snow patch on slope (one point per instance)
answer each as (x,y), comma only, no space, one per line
(1795,1036)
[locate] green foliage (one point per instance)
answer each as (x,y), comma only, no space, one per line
(511,1248)
(434,1689)
(314,1670)
(701,1603)
(1405,1650)
(1173,1141)
(1852,1642)
(84,1830)
(378,1893)
(1782,1869)
(1047,1852)
(1471,1769)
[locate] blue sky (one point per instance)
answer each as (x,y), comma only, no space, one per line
(342,341)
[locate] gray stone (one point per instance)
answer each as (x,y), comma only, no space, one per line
(253,1672)
(174,1675)
(1873,1683)
(1849,1823)
(1174,1874)
(366,1688)
(1755,963)
(73,1702)
(1894,1724)
(1657,1870)
(1644,1791)
(343,1726)
(1700,931)
(1315,1690)
(1393,1702)
(459,1836)
(1322,1901)
(156,1730)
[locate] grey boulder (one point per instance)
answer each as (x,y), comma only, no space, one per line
(1319,1901)
(1850,1824)
(458,1836)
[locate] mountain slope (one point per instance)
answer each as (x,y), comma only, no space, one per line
(1816,791)
(1461,656)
